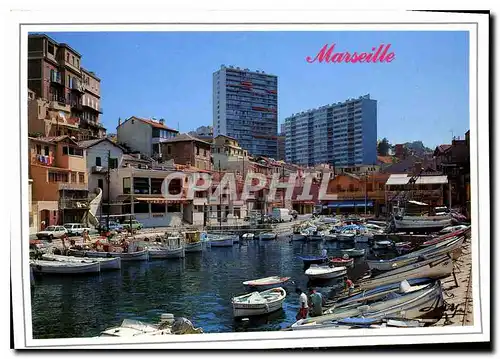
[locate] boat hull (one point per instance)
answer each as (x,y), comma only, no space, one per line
(267,236)
(241,309)
(222,243)
(313,273)
(134,256)
(193,247)
(351,253)
(166,253)
(418,224)
(105,263)
(55,267)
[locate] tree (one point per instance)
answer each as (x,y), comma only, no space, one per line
(383,147)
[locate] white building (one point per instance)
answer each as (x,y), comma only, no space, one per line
(245,105)
(340,134)
(144,135)
(101,155)
(138,192)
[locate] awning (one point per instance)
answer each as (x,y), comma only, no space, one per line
(152,199)
(349,204)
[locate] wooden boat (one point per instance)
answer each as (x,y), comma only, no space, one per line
(446,236)
(382,245)
(266,236)
(193,242)
(59,267)
(165,252)
(437,267)
(222,241)
(141,255)
(258,303)
(266,282)
(351,252)
(105,263)
(339,262)
(362,297)
(313,259)
(316,271)
(422,223)
(419,301)
(443,247)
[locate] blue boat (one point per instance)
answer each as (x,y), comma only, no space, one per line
(313,259)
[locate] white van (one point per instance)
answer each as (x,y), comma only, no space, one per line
(282,215)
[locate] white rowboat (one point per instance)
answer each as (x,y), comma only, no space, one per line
(56,267)
(258,303)
(316,271)
(105,263)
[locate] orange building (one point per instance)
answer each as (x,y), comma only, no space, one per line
(57,166)
(351,193)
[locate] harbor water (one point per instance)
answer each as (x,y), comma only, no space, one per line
(198,287)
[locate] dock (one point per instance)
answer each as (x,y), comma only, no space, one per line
(458,294)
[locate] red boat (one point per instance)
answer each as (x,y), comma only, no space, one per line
(342,262)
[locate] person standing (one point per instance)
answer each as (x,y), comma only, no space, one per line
(303,302)
(349,285)
(317,302)
(324,252)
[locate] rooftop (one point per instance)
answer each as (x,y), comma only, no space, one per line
(230,67)
(150,122)
(402,179)
(90,143)
(184,137)
(364,97)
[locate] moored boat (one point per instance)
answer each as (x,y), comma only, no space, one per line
(164,252)
(222,241)
(59,267)
(316,271)
(434,268)
(193,242)
(258,303)
(266,282)
(248,236)
(140,255)
(342,262)
(382,244)
(266,236)
(313,259)
(105,263)
(351,252)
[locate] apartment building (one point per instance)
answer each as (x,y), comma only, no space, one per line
(245,107)
(59,188)
(340,134)
(144,135)
(64,91)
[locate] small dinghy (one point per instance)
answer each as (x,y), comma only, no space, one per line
(162,252)
(223,241)
(313,259)
(351,252)
(342,262)
(267,236)
(248,236)
(316,271)
(105,263)
(57,267)
(382,245)
(258,303)
(266,282)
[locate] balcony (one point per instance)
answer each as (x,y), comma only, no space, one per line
(77,86)
(95,109)
(59,104)
(56,78)
(73,203)
(99,169)
(73,186)
(42,160)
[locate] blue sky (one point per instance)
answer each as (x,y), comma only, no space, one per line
(423,94)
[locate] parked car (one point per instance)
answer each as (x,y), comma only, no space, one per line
(52,232)
(135,225)
(75,229)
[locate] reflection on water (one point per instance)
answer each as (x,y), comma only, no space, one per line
(198,287)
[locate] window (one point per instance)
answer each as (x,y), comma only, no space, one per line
(169,149)
(73,177)
(46,150)
(174,207)
(69,81)
(72,59)
(113,163)
(100,183)
(72,151)
(98,161)
(58,177)
(81,177)
(126,185)
(141,185)
(141,207)
(77,63)
(158,207)
(38,149)
(67,57)
(50,48)
(156,184)
(174,187)
(197,151)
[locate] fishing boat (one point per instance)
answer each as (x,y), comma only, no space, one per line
(412,302)
(452,229)
(313,259)
(442,247)
(351,252)
(446,236)
(330,237)
(258,303)
(59,267)
(105,263)
(248,236)
(163,252)
(193,242)
(317,271)
(267,236)
(434,268)
(266,282)
(342,262)
(140,255)
(315,236)
(222,241)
